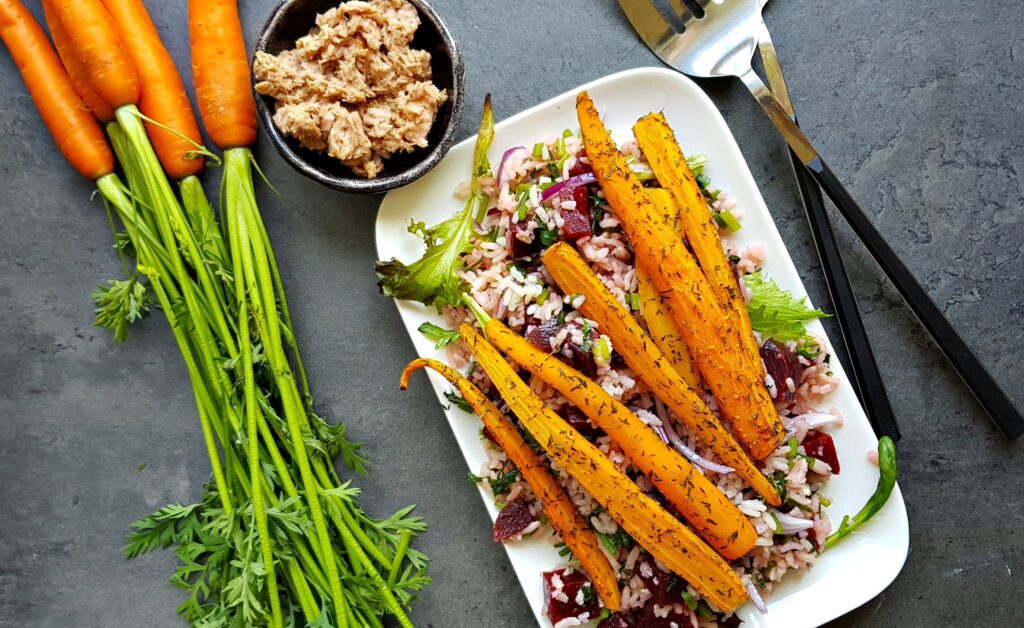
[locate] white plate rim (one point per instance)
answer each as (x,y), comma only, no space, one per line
(809,601)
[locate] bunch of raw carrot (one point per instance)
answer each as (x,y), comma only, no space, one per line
(698,330)
(277,537)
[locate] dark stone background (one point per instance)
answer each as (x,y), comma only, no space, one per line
(918,106)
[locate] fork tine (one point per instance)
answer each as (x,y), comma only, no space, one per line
(647,22)
(681,10)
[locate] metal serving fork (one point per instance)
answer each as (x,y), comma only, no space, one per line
(717,40)
(865,376)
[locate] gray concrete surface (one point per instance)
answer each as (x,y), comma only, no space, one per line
(918,104)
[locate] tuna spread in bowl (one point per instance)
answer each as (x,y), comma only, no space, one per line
(357,89)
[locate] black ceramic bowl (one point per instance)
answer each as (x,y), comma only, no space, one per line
(293,19)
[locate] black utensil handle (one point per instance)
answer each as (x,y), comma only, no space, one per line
(867,379)
(991,397)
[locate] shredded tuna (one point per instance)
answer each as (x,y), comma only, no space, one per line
(352,87)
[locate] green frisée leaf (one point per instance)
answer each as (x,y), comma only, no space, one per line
(775,313)
(433,279)
(119,304)
(886,482)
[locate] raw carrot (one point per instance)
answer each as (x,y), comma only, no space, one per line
(101,50)
(73,65)
(220,67)
(657,531)
(659,145)
(176,136)
(78,135)
(571,273)
(560,511)
(711,513)
(724,363)
(657,311)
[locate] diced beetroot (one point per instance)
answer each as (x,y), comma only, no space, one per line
(821,446)
(562,603)
(666,588)
(517,249)
(781,364)
(513,519)
(575,222)
(617,620)
(486,433)
(541,334)
(648,619)
(579,359)
(575,417)
(579,167)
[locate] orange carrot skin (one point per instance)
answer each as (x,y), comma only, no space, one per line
(725,364)
(220,66)
(163,97)
(75,130)
(659,144)
(716,519)
(654,528)
(101,50)
(561,512)
(73,65)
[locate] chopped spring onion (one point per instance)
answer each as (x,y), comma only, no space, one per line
(441,336)
(727,221)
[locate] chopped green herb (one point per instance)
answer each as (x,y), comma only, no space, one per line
(474,478)
(689,600)
(614,542)
(504,481)
(696,163)
(727,221)
(538,150)
(543,296)
(777,527)
(442,337)
(472,368)
(778,480)
(886,482)
(775,313)
(589,595)
(458,401)
(793,445)
(561,318)
(587,331)
(633,301)
(547,236)
(602,350)
(704,610)
(567,133)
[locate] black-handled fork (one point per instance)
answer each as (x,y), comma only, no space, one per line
(718,40)
(864,373)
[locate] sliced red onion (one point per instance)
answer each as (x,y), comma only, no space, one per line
(688,453)
(660,431)
(755,597)
(571,183)
(815,420)
(501,165)
(791,524)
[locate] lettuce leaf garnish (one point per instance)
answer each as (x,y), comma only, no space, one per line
(775,313)
(433,279)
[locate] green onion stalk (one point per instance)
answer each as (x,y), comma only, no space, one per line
(277,536)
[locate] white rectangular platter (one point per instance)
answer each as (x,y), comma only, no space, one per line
(846,576)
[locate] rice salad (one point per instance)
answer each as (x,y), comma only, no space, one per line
(506,278)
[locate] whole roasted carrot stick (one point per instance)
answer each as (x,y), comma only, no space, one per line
(78,135)
(724,361)
(663,153)
(562,514)
(710,512)
(175,136)
(657,531)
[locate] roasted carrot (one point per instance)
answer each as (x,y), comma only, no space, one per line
(657,531)
(659,145)
(561,513)
(657,311)
(220,67)
(715,518)
(73,65)
(100,48)
(78,135)
(571,273)
(724,363)
(175,136)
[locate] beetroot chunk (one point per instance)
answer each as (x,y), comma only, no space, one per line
(541,334)
(575,597)
(518,249)
(665,587)
(577,419)
(821,446)
(617,620)
(575,222)
(579,167)
(781,364)
(513,519)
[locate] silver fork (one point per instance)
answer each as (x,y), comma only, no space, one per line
(721,42)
